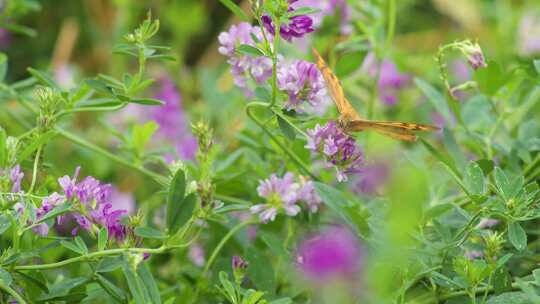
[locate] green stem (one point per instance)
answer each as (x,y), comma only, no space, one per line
(13,293)
(286,119)
(291,154)
(80,141)
(391,29)
(274,62)
(222,243)
(480,290)
(97,254)
(35,169)
(231,199)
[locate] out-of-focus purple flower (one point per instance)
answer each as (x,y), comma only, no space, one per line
(390,82)
(303,83)
(280,194)
(371,178)
(298,26)
(331,254)
(238,263)
(474,254)
(244,67)
(171,119)
(123,200)
(308,195)
(338,149)
(16,176)
(196,255)
(328,8)
(529,35)
(487,223)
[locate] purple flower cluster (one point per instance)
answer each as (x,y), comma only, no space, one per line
(330,254)
(338,149)
(303,83)
(244,67)
(297,27)
(172,121)
(93,205)
(284,194)
(390,81)
(371,178)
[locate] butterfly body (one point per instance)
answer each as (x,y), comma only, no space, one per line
(350,121)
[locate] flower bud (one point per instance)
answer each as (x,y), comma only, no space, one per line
(474,54)
(239,267)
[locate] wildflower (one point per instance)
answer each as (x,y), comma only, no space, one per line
(280,194)
(338,149)
(173,126)
(473,53)
(16,176)
(390,81)
(332,253)
(529,35)
(303,83)
(244,67)
(297,27)
(487,223)
(308,195)
(239,267)
(474,254)
(196,254)
(338,8)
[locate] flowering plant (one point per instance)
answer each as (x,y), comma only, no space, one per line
(155,176)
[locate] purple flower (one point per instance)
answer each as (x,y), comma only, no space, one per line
(371,177)
(529,35)
(308,195)
(238,264)
(474,54)
(339,8)
(5,38)
(332,253)
(474,254)
(303,83)
(196,255)
(487,223)
(297,27)
(280,194)
(338,149)
(16,176)
(390,82)
(68,184)
(173,126)
(244,67)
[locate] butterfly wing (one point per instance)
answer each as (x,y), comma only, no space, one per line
(399,130)
(336,90)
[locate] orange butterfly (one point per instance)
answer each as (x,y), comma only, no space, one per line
(349,120)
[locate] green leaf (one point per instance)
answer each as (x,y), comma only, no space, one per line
(228,287)
(43,78)
(286,128)
(302,11)
(263,94)
(184,212)
(536,64)
(175,198)
(149,233)
(3,66)
(103,237)
(136,285)
(5,277)
(517,236)
(349,63)
(3,148)
(109,264)
(99,86)
(474,179)
(147,101)
(33,146)
(62,288)
(235,9)
(148,280)
(80,243)
(435,97)
(5,223)
(260,271)
(510,298)
(143,134)
(73,246)
(502,281)
(111,288)
(502,182)
(491,78)
(246,49)
(437,210)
